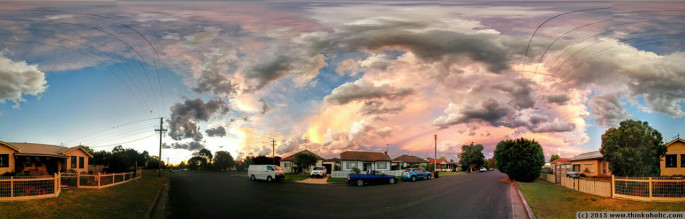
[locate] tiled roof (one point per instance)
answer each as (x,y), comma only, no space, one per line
(588,156)
(337,160)
(409,159)
(431,160)
(364,156)
(561,160)
(292,157)
(678,139)
(42,149)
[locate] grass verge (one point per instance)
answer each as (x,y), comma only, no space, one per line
(295,177)
(128,200)
(548,200)
(336,180)
(443,174)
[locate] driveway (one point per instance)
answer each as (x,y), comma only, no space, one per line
(218,195)
(312,180)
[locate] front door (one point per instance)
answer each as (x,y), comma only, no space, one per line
(367,167)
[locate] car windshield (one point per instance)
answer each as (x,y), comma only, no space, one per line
(318,168)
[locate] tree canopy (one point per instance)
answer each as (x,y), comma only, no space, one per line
(305,160)
(554,157)
(471,156)
(633,149)
(223,160)
(520,159)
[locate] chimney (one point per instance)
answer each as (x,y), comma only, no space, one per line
(386,153)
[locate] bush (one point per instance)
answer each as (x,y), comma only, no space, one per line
(520,159)
(356,170)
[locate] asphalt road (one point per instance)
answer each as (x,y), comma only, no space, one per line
(218,195)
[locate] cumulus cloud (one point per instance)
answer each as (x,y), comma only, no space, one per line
(608,109)
(375,107)
(18,78)
(555,126)
(559,99)
(218,131)
(490,111)
(191,146)
(213,75)
(186,115)
(364,90)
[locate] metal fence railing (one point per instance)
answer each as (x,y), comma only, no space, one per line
(29,187)
(649,188)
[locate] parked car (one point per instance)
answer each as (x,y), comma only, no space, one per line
(415,173)
(491,169)
(483,169)
(374,177)
(265,172)
(571,173)
(318,171)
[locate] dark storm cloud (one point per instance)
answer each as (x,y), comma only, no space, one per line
(184,117)
(216,131)
(559,99)
(363,90)
(608,109)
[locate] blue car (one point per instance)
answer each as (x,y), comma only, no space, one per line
(374,177)
(416,173)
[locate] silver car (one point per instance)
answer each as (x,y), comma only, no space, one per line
(571,173)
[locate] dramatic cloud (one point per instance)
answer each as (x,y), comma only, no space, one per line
(217,131)
(364,90)
(560,99)
(374,107)
(191,146)
(19,78)
(608,109)
(186,115)
(490,111)
(265,106)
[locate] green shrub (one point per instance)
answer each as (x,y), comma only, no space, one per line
(356,170)
(520,159)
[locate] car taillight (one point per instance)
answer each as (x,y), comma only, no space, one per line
(348,176)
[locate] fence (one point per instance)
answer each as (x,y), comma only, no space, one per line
(593,187)
(548,177)
(650,188)
(29,187)
(98,181)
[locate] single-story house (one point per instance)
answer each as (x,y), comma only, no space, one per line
(673,163)
(560,165)
(443,165)
(590,164)
(289,164)
(38,159)
(332,164)
(365,161)
(406,161)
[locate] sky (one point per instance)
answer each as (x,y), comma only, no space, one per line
(333,77)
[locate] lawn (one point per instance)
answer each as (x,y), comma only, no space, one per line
(442,174)
(295,177)
(548,200)
(336,180)
(128,200)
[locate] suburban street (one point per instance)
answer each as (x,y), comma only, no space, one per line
(218,195)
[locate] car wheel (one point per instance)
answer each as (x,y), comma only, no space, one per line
(392,181)
(268,179)
(413,178)
(360,182)
(252,178)
(428,177)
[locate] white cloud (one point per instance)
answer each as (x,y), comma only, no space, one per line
(18,78)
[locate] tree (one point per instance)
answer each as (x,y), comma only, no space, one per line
(443,158)
(305,160)
(633,149)
(223,160)
(492,163)
(182,165)
(207,155)
(520,159)
(195,163)
(472,156)
(554,157)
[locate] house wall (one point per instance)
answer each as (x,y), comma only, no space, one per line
(594,167)
(347,164)
(287,166)
(378,163)
(677,148)
(319,163)
(10,152)
(78,153)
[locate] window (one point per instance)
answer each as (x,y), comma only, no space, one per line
(382,165)
(73,162)
(270,168)
(4,160)
(286,164)
(682,160)
(576,167)
(81,162)
(604,168)
(671,160)
(351,164)
(27,162)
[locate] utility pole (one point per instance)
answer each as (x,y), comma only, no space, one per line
(273,151)
(435,158)
(160,130)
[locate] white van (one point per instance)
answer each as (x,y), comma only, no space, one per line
(265,172)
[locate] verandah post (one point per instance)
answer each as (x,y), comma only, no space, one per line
(11,186)
(99,180)
(650,187)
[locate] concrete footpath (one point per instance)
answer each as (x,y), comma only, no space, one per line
(519,205)
(157,209)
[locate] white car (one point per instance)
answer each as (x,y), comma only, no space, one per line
(483,169)
(318,171)
(265,172)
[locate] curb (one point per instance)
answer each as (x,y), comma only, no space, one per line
(154,202)
(525,203)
